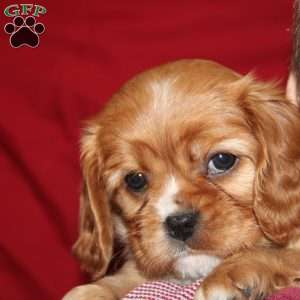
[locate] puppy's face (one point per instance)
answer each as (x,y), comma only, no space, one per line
(179,153)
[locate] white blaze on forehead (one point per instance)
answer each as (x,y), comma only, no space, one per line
(161,93)
(166,205)
(196,266)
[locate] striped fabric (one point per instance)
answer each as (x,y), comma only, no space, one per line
(163,290)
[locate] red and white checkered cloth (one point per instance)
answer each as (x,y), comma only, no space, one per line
(163,290)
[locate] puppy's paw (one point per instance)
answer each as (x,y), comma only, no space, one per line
(249,281)
(219,292)
(89,292)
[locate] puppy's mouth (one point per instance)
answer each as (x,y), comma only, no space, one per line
(191,261)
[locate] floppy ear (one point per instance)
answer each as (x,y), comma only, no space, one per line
(95,242)
(276,124)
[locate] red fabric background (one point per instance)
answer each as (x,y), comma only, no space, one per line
(88,49)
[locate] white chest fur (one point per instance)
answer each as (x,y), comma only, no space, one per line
(193,267)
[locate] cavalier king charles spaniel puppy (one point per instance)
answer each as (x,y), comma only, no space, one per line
(191,171)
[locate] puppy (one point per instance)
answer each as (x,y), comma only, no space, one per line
(191,171)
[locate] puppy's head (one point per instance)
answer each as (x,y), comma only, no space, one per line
(187,164)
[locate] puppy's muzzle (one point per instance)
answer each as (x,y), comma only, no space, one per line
(181,226)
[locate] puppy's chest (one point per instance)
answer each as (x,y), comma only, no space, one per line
(193,267)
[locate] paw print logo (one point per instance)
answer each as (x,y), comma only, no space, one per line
(24,31)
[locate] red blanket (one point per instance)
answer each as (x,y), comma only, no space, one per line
(87,50)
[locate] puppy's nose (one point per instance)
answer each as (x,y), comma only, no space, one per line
(181,226)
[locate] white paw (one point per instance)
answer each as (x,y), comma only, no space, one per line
(218,293)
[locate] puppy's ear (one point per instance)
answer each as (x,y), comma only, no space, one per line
(95,242)
(276,124)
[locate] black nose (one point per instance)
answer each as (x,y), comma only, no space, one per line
(181,226)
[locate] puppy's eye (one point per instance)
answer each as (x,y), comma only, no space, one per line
(136,181)
(220,163)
